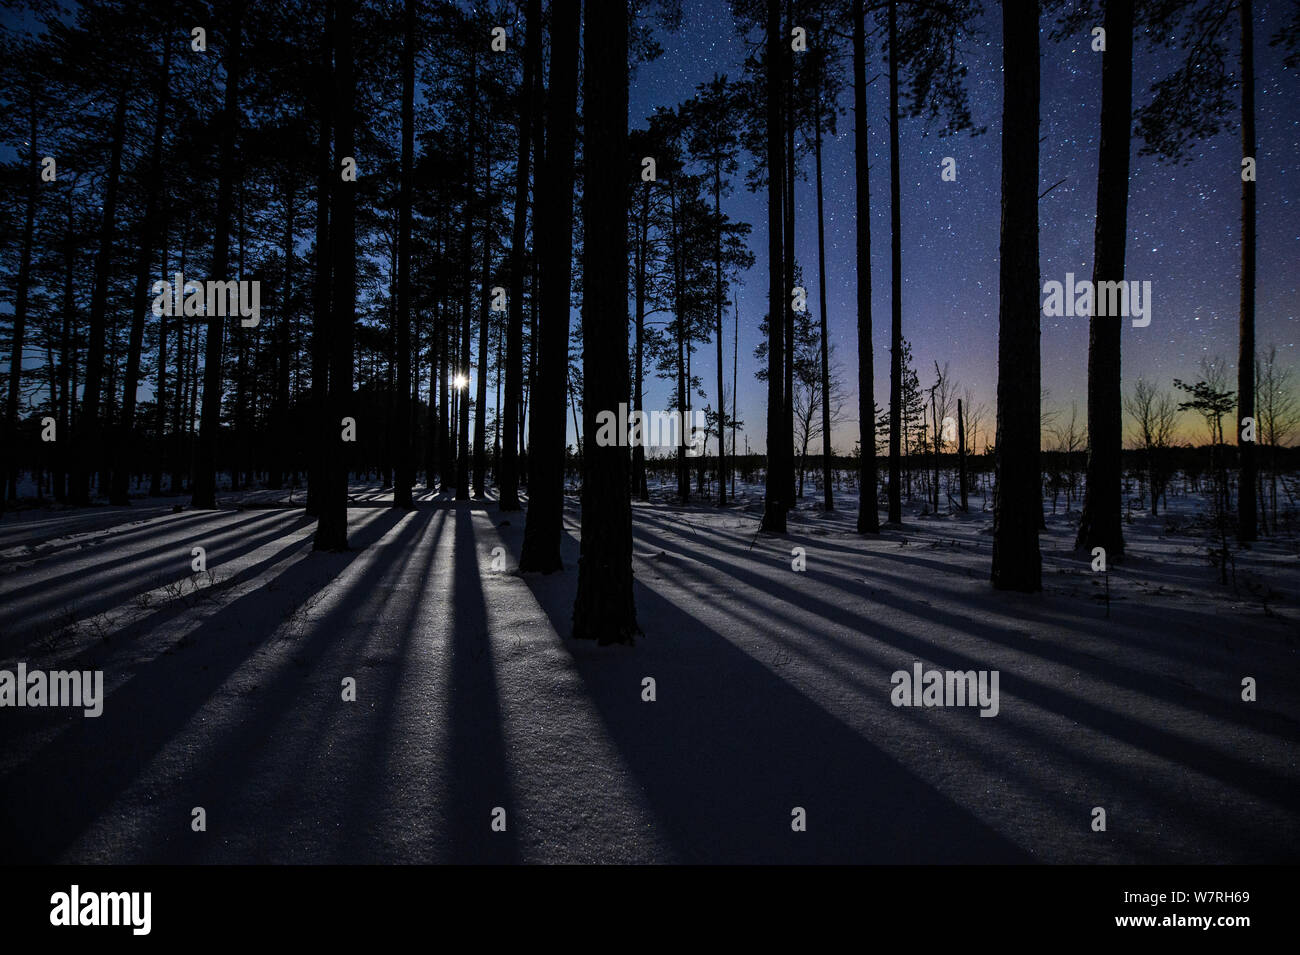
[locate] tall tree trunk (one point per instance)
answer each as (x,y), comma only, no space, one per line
(332,524)
(554,241)
(774,502)
(484,325)
(446,401)
(938,445)
(180,389)
(961,454)
(1017,494)
(66,359)
(828,501)
(205,467)
(89,440)
(124,447)
(1246,524)
(467,292)
(160,398)
(735,366)
(283,452)
(323,280)
(405,461)
(604,610)
(679,309)
(868,517)
(508,479)
(717,278)
(1101,524)
(20,311)
(896,282)
(642,264)
(787,432)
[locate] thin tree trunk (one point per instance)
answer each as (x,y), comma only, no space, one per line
(405,460)
(961,454)
(735,366)
(89,441)
(332,524)
(20,310)
(896,282)
(124,447)
(1017,494)
(868,517)
(205,469)
(774,504)
(642,264)
(717,276)
(282,453)
(828,502)
(1246,525)
(679,300)
(787,431)
(484,326)
(160,427)
(327,171)
(508,478)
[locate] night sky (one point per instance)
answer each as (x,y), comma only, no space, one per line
(1183,223)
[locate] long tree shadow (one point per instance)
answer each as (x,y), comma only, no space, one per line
(324,750)
(48,802)
(476,749)
(729,751)
(1263,782)
(1136,679)
(112,583)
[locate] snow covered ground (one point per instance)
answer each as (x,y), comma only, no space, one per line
(772,692)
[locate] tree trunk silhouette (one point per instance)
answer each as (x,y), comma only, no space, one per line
(332,525)
(485,293)
(10,477)
(639,293)
(554,240)
(405,470)
(718,304)
(124,446)
(828,501)
(89,438)
(1246,521)
(1017,492)
(467,293)
(896,284)
(604,610)
(508,479)
(1101,524)
(205,464)
(868,516)
(787,308)
(961,454)
(282,462)
(327,170)
(774,502)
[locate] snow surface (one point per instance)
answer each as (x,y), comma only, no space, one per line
(773,692)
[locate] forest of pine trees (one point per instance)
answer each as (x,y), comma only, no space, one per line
(423,192)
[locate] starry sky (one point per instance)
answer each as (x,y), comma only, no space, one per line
(1183,224)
